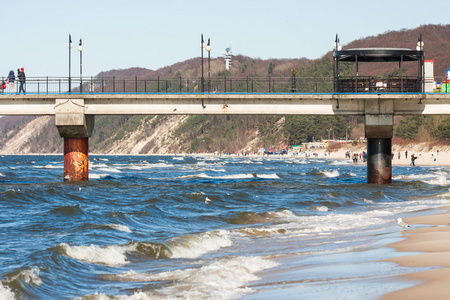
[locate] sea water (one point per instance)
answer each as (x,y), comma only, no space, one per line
(205,227)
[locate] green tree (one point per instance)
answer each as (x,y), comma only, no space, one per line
(442,130)
(408,128)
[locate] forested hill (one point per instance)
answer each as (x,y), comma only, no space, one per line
(168,134)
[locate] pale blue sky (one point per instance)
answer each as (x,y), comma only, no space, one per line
(153,34)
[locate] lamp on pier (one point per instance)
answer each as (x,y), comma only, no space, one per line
(208,48)
(202,45)
(70,45)
(420,43)
(80,49)
(336,44)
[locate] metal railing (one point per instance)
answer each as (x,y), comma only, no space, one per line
(131,85)
(371,84)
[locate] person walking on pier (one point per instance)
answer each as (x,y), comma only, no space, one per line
(10,81)
(21,75)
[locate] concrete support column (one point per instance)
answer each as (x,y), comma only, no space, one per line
(379,129)
(76,159)
(75,127)
(379,160)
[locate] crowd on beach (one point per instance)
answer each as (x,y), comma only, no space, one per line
(11,80)
(357,156)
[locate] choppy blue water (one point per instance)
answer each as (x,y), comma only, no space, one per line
(184,227)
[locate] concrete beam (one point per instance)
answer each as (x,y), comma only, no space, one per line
(71,120)
(379,118)
(194,104)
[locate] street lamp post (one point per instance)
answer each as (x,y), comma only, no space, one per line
(80,49)
(208,48)
(70,45)
(202,45)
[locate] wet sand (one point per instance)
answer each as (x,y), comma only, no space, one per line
(434,242)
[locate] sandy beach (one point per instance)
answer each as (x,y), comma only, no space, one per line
(433,241)
(426,154)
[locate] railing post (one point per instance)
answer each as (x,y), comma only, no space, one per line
(269,84)
(47,84)
(158,84)
(59,86)
(247,84)
(225,85)
(114,84)
(124,86)
(136,84)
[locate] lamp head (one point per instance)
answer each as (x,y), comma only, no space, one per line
(208,46)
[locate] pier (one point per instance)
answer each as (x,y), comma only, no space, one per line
(75,114)
(377,99)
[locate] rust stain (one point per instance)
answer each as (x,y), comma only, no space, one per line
(76,159)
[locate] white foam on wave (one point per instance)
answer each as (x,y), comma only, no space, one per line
(97,176)
(210,163)
(109,170)
(413,176)
(119,227)
(256,162)
(262,231)
(112,255)
(331,174)
(225,278)
(94,165)
(48,167)
(268,176)
(2,175)
(193,246)
(28,276)
(190,246)
(439,180)
(320,208)
(178,158)
(319,224)
(231,176)
(6,293)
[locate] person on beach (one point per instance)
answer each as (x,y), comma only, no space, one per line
(21,75)
(406,154)
(413,159)
(10,81)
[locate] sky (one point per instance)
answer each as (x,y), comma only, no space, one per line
(153,34)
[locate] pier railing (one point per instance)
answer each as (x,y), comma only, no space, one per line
(136,84)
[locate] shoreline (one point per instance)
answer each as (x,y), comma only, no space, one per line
(432,241)
(424,158)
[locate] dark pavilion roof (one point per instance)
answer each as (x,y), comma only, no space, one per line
(378,54)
